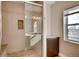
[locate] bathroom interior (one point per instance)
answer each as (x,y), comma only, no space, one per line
(22,28)
(39,29)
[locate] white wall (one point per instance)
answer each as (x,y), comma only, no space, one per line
(47,19)
(56,23)
(11,13)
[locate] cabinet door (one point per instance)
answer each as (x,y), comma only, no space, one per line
(52,47)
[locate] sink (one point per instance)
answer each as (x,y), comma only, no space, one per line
(33,38)
(28,34)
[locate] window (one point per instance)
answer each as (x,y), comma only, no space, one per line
(71,24)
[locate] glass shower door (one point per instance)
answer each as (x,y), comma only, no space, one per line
(33,26)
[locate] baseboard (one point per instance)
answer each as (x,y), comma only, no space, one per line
(62,55)
(16,53)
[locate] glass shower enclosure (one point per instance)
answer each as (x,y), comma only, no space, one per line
(33,27)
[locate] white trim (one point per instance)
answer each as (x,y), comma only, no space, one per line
(51,36)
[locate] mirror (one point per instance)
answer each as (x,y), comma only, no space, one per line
(33,18)
(36,24)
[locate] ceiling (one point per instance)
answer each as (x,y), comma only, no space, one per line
(50,2)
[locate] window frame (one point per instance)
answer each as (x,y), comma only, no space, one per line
(65,24)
